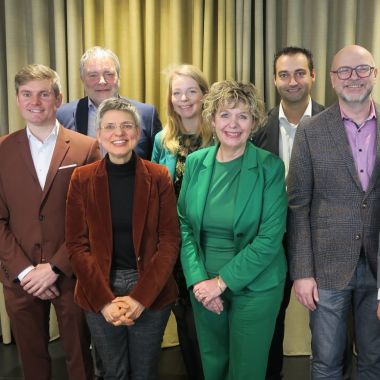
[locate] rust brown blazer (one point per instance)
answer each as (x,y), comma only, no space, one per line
(32,228)
(155,235)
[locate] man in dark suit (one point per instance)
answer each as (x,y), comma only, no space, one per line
(36,164)
(334,219)
(100,74)
(293,75)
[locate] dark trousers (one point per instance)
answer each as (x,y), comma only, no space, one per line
(128,353)
(187,337)
(276,352)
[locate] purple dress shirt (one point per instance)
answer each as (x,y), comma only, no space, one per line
(362,139)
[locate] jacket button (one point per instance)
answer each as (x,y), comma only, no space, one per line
(41,218)
(358,236)
(139,258)
(364,205)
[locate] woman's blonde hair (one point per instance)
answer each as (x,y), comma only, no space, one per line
(174,128)
(230,93)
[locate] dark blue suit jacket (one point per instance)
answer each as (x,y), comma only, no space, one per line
(74,115)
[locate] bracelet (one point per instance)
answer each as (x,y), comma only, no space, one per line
(220,284)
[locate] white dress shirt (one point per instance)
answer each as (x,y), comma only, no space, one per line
(287,134)
(91,128)
(42,152)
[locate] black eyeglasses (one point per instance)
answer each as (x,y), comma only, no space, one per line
(345,72)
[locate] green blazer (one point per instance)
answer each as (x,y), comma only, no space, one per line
(259,220)
(162,156)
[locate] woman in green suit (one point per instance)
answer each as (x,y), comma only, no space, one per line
(232,209)
(184,132)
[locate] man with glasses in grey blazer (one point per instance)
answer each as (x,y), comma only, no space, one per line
(334,218)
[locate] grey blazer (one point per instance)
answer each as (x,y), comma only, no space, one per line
(331,219)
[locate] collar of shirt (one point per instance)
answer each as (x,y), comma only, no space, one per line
(52,136)
(307,113)
(371,115)
(91,104)
(91,128)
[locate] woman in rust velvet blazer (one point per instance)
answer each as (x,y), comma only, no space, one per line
(122,235)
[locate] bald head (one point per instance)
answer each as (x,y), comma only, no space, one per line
(353,75)
(352,53)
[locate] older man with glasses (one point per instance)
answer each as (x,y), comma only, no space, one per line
(334,218)
(100,73)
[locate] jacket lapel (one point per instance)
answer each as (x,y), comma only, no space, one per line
(143,183)
(60,150)
(338,133)
(203,183)
(273,133)
(247,182)
(27,156)
(81,116)
(102,197)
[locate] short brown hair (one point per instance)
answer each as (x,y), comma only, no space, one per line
(116,104)
(37,71)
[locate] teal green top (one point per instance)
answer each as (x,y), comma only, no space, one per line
(217,238)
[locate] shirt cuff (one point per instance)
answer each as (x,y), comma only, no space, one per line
(378,294)
(25,272)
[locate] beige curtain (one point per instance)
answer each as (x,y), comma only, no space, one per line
(225,38)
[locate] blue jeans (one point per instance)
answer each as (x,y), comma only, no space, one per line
(128,353)
(328,325)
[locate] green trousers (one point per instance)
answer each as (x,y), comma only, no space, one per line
(235,344)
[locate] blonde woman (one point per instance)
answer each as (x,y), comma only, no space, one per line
(184,133)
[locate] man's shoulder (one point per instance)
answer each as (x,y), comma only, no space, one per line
(10,139)
(329,112)
(273,113)
(271,121)
(141,107)
(316,107)
(68,107)
(66,113)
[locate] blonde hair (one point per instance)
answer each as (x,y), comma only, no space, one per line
(36,71)
(174,128)
(230,93)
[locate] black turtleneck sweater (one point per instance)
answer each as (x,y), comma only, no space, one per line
(121,182)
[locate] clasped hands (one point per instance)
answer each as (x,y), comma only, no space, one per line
(40,282)
(122,311)
(208,293)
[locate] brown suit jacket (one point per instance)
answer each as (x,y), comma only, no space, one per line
(32,228)
(155,235)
